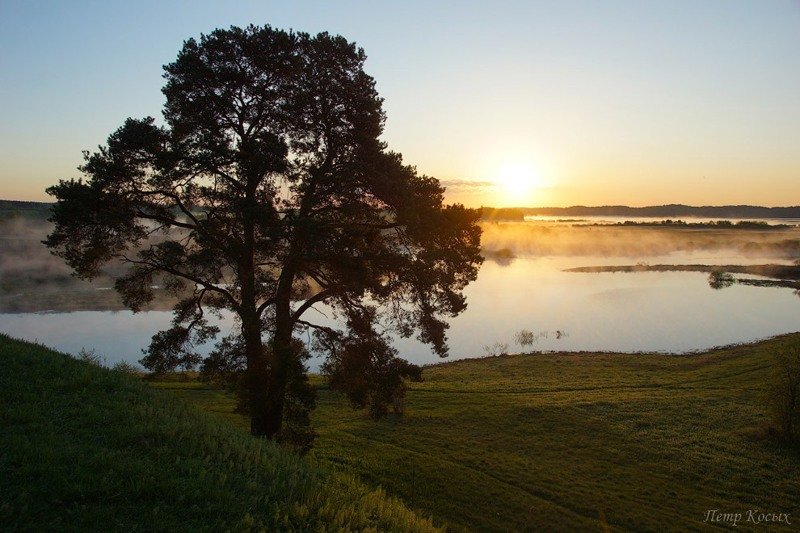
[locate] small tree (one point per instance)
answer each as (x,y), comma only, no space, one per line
(784,391)
(267,192)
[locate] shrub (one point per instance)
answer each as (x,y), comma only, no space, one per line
(525,337)
(498,348)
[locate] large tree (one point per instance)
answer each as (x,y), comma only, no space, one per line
(265,192)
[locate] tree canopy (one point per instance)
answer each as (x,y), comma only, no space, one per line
(266,191)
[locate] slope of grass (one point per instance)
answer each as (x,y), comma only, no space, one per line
(88,449)
(565,442)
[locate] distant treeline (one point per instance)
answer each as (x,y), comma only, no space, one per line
(788,273)
(15,208)
(718,224)
(10,208)
(665,211)
(503,213)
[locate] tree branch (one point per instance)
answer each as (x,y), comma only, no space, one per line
(320,296)
(184,275)
(266,303)
(326,329)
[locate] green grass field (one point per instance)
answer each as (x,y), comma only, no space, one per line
(565,442)
(84,448)
(557,442)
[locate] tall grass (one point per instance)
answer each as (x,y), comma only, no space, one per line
(86,448)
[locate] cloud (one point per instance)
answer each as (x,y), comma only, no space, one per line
(456,185)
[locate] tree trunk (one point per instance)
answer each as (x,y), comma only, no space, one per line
(266,375)
(281,354)
(257,382)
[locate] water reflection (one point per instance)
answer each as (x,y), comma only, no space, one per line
(647,311)
(523,286)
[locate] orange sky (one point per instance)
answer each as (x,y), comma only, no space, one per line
(509,104)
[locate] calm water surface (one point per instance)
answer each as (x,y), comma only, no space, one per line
(647,311)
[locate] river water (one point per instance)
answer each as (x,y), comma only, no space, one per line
(672,312)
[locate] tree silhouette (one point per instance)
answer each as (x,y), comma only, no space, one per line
(267,191)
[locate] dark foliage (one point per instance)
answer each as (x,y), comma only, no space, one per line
(368,371)
(719,279)
(266,192)
(225,367)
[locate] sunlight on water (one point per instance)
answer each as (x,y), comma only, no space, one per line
(645,311)
(648,311)
(522,285)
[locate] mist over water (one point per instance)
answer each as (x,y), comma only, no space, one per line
(646,243)
(522,285)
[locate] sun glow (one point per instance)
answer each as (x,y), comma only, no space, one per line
(517,182)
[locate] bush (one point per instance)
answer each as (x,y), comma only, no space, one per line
(525,337)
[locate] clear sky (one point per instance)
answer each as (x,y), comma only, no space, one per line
(508,103)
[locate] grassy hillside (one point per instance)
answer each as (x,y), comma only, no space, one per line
(571,441)
(88,449)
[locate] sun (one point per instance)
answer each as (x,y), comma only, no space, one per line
(517,181)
